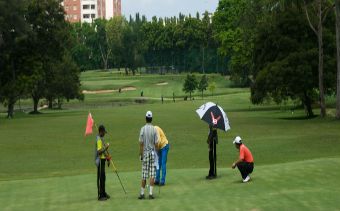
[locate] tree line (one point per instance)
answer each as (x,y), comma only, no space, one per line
(175,44)
(281,49)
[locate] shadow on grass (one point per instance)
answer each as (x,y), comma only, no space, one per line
(35,112)
(253,109)
(299,117)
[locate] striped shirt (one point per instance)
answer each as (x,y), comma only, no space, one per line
(149,137)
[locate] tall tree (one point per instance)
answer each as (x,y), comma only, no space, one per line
(323,7)
(235,25)
(190,84)
(203,84)
(206,37)
(212,87)
(48,44)
(102,41)
(285,68)
(337,21)
(114,36)
(13,33)
(67,83)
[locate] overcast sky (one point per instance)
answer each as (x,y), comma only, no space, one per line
(166,8)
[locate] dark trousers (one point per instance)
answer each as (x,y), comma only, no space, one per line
(245,168)
(101,177)
(212,158)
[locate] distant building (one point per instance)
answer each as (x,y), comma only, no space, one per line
(88,10)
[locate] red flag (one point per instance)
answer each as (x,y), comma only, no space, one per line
(89,125)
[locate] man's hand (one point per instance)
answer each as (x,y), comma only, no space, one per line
(108,158)
(233,166)
(107,146)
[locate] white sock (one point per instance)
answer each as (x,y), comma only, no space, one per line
(151,187)
(141,191)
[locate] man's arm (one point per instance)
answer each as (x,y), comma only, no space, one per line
(240,159)
(236,162)
(141,148)
(158,140)
(103,149)
(209,137)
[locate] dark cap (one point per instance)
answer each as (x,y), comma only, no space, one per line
(102,128)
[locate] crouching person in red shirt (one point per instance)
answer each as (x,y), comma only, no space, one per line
(245,163)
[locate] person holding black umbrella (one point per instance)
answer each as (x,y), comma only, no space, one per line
(215,116)
(212,141)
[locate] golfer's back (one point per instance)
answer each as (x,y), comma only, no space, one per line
(148,136)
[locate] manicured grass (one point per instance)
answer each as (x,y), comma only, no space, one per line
(303,185)
(151,85)
(47,164)
(53,143)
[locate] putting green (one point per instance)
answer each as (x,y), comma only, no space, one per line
(303,185)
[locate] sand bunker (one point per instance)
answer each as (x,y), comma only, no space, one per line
(129,88)
(162,84)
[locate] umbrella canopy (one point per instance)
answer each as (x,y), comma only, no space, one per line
(214,115)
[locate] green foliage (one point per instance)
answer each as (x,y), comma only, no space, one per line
(51,39)
(14,32)
(285,61)
(212,87)
(235,24)
(161,45)
(190,84)
(203,84)
(35,39)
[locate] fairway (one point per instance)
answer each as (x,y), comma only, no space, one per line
(48,164)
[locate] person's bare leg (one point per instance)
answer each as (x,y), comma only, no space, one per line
(152,182)
(143,183)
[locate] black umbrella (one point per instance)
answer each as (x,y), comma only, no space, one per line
(214,115)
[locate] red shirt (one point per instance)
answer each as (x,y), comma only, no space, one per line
(245,154)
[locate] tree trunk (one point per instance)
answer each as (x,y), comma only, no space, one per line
(60,102)
(320,41)
(126,71)
(35,105)
(50,103)
(20,105)
(203,61)
(337,13)
(10,108)
(190,95)
(105,64)
(319,33)
(202,94)
(308,105)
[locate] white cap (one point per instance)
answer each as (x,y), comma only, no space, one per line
(237,140)
(149,114)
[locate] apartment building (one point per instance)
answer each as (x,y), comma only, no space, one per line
(88,10)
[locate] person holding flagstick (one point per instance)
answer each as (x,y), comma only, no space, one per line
(100,158)
(101,154)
